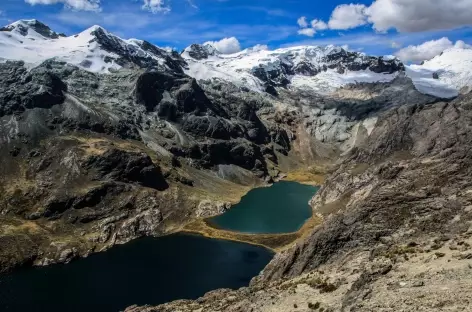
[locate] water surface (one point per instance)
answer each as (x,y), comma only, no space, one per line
(145,271)
(280,208)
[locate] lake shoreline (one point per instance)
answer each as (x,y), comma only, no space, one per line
(273,242)
(276,242)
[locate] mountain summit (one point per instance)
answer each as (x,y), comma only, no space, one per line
(95,49)
(318,69)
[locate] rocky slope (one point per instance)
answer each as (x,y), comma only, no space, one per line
(397,229)
(105,140)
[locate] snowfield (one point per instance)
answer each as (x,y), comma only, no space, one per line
(329,81)
(453,68)
(23,43)
(33,42)
(237,68)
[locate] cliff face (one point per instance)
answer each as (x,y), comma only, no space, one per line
(397,228)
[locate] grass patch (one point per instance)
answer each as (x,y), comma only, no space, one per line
(311,175)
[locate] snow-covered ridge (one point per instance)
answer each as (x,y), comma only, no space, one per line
(314,68)
(94,49)
(445,75)
(302,67)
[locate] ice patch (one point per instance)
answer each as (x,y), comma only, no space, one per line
(453,69)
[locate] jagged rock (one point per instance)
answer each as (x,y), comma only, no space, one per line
(201,52)
(23,90)
(125,166)
(208,208)
(145,223)
(241,153)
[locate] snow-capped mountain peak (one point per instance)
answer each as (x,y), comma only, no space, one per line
(446,74)
(94,49)
(303,66)
(31,28)
(321,69)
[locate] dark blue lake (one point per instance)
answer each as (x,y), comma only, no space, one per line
(145,271)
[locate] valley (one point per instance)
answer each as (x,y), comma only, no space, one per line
(130,161)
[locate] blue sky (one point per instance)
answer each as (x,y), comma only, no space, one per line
(178,23)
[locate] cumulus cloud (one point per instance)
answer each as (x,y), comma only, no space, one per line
(405,16)
(428,50)
(80,5)
(226,45)
(419,15)
(310,32)
(260,47)
(347,16)
(462,45)
(318,24)
(156,6)
(302,22)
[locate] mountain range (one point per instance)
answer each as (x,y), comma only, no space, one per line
(105,140)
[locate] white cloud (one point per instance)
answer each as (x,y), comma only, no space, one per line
(155,6)
(310,32)
(79,5)
(406,16)
(318,24)
(419,15)
(428,50)
(226,45)
(259,47)
(347,16)
(462,45)
(395,45)
(302,22)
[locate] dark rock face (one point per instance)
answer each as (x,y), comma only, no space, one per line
(306,69)
(201,52)
(354,61)
(22,90)
(209,126)
(127,167)
(171,96)
(280,137)
(241,153)
(275,76)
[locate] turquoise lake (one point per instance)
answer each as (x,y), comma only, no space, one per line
(280,208)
